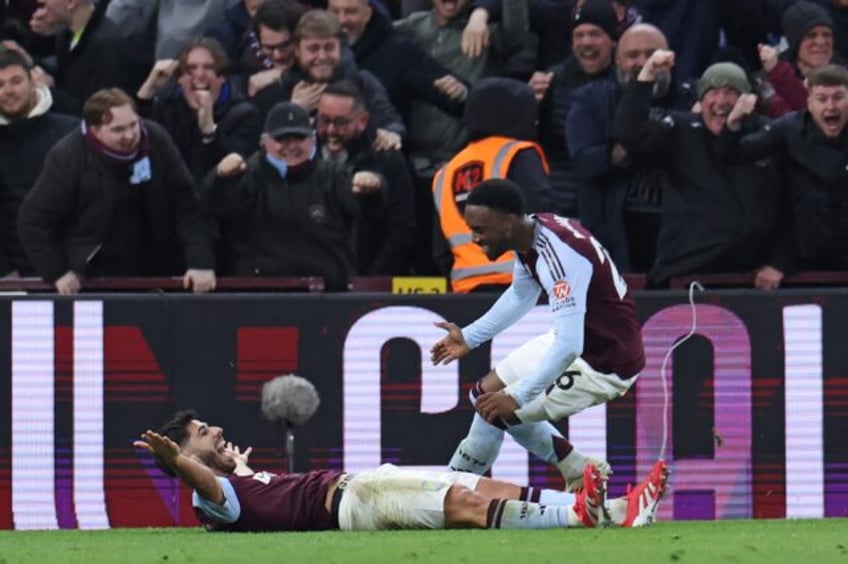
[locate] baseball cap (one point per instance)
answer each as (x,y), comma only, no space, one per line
(287,118)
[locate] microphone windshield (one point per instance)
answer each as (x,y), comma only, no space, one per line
(289,398)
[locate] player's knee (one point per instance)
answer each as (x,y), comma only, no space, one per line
(465,508)
(491,382)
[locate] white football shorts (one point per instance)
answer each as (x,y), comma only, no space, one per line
(579,387)
(398,498)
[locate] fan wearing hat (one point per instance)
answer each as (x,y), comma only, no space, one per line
(593,39)
(284,212)
(809,32)
(718,90)
(715,218)
(607,176)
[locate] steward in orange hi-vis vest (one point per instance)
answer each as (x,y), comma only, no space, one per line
(480,160)
(501,115)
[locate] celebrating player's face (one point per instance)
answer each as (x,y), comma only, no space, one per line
(208,444)
(488,230)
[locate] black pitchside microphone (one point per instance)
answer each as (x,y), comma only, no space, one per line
(289,400)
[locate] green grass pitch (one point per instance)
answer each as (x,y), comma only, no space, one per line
(766,541)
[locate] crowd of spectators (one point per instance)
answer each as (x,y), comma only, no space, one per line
(340,138)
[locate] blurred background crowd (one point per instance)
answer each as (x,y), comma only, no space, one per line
(340,138)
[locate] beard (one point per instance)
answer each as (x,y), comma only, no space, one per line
(494,251)
(18,110)
(217,461)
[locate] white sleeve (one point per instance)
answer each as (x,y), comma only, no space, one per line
(227,512)
(519,298)
(567,346)
(569,317)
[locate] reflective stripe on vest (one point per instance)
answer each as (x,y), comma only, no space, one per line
(470,271)
(498,168)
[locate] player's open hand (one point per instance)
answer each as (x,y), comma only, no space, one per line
(451,347)
(495,406)
(237,454)
(161,447)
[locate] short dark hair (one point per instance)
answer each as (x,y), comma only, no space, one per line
(98,108)
(827,75)
(318,23)
(347,89)
(498,194)
(176,429)
(278,15)
(9,58)
(222,62)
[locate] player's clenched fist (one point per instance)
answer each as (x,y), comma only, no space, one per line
(231,165)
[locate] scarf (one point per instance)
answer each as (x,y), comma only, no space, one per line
(294,172)
(136,161)
(256,48)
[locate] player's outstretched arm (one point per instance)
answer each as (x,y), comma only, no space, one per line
(193,474)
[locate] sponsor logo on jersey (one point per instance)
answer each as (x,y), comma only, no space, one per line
(264,477)
(562,289)
(561,297)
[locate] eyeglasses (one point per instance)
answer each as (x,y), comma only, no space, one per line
(337,122)
(279,47)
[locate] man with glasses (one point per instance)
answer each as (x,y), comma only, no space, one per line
(319,62)
(268,50)
(386,228)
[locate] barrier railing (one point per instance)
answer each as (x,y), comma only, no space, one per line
(315,284)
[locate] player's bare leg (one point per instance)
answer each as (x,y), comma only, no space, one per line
(479,449)
(466,508)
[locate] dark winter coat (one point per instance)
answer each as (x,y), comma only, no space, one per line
(24,144)
(298,226)
(716,218)
(70,214)
(817,176)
